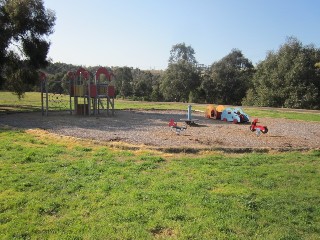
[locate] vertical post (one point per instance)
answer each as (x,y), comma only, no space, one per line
(108,105)
(75,94)
(113,106)
(75,101)
(96,109)
(41,87)
(189,113)
(47,99)
(83,83)
(97,104)
(89,97)
(70,98)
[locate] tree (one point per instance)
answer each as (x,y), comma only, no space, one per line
(24,26)
(181,52)
(181,76)
(317,66)
(123,81)
(142,84)
(287,78)
(156,94)
(57,83)
(179,80)
(227,80)
(208,86)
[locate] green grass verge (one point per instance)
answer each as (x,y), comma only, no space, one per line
(11,103)
(32,102)
(59,188)
(282,113)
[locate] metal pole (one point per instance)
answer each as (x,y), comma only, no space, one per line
(189,113)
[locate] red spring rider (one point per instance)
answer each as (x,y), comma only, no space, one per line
(258,128)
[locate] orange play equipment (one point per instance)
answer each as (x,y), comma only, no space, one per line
(213,111)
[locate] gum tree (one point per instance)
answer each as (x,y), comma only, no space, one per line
(182,75)
(25,26)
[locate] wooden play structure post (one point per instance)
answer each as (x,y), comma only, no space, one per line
(71,78)
(44,93)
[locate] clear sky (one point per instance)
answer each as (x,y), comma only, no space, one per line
(141,33)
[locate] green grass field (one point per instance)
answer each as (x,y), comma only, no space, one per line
(55,187)
(32,102)
(60,188)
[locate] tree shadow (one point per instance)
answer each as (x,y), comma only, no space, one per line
(11,109)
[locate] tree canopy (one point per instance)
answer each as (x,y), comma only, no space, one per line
(142,84)
(123,81)
(178,81)
(181,76)
(24,26)
(181,52)
(227,80)
(287,78)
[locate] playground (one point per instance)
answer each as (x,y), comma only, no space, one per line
(149,129)
(90,114)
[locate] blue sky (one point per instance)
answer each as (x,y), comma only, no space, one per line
(141,33)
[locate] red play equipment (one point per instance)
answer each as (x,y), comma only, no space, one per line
(174,125)
(87,92)
(255,127)
(92,90)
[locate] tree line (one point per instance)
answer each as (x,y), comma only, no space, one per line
(288,77)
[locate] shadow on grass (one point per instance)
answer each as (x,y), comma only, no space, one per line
(7,109)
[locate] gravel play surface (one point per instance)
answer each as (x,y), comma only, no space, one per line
(150,129)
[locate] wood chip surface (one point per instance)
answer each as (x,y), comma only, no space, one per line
(150,129)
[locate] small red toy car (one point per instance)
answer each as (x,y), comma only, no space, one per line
(255,127)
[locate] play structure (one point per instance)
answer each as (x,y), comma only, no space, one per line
(258,128)
(235,115)
(88,93)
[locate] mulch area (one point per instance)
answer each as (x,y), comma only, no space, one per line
(149,129)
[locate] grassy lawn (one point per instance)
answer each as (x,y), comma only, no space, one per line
(11,103)
(32,102)
(61,188)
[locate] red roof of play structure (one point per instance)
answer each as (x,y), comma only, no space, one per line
(104,71)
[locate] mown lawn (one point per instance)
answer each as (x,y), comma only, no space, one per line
(61,188)
(32,102)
